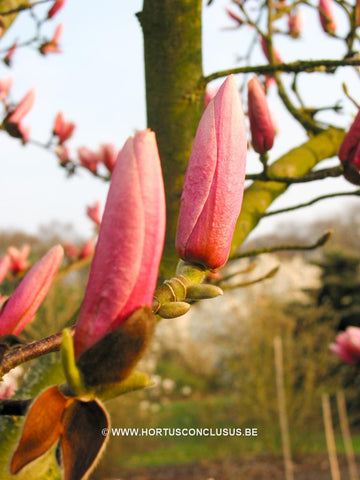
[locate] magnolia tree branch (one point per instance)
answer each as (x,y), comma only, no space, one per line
(23,6)
(297,162)
(29,352)
(311,202)
(267,275)
(300,66)
(278,248)
(310,177)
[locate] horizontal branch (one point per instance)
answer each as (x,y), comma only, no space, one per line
(29,352)
(278,248)
(267,275)
(310,177)
(20,8)
(299,66)
(311,202)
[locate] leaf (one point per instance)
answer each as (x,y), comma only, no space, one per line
(135,381)
(82,439)
(42,428)
(113,357)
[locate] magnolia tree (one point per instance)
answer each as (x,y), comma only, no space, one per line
(177,212)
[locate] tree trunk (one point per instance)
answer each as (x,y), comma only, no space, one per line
(174,96)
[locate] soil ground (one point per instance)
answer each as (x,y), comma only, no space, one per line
(309,467)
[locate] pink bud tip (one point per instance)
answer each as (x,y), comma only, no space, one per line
(347,346)
(214,181)
(5,86)
(87,249)
(5,264)
(88,159)
(349,151)
(265,50)
(261,125)
(108,156)
(19,258)
(327,18)
(25,301)
(63,129)
(23,107)
(58,4)
(94,212)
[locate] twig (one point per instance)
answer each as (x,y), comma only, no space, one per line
(248,269)
(267,275)
(23,7)
(277,248)
(30,351)
(310,177)
(311,202)
(307,66)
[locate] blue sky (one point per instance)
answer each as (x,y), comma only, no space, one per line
(98,82)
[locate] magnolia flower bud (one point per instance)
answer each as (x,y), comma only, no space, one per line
(261,124)
(214,182)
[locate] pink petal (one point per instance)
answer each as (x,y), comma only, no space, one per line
(23,107)
(5,264)
(24,302)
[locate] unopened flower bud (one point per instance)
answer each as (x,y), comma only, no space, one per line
(261,124)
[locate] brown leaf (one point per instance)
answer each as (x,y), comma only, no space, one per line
(42,428)
(82,438)
(113,357)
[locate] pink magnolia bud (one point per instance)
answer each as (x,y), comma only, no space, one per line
(52,46)
(327,18)
(347,345)
(25,301)
(88,159)
(108,156)
(235,17)
(214,181)
(295,23)
(5,86)
(63,154)
(87,249)
(125,266)
(261,125)
(357,13)
(58,4)
(62,129)
(277,57)
(19,258)
(94,212)
(70,250)
(10,53)
(22,108)
(349,151)
(5,264)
